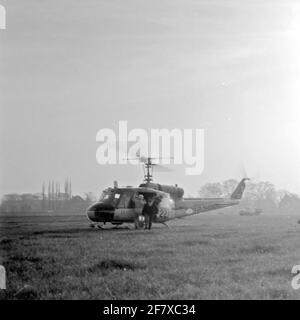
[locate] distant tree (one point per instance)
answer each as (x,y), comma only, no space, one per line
(290,203)
(280,194)
(77,198)
(228,186)
(211,190)
(260,190)
(9,202)
(217,189)
(266,190)
(11,197)
(27,197)
(90,197)
(260,195)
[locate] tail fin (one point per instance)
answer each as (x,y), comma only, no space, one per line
(239,190)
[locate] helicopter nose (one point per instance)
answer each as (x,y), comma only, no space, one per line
(100,212)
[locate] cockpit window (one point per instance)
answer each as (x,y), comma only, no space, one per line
(105,196)
(110,196)
(122,199)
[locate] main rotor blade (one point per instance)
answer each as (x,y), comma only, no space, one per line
(161,168)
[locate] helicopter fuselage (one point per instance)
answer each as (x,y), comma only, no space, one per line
(121,205)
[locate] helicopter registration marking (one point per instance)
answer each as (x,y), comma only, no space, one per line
(163,212)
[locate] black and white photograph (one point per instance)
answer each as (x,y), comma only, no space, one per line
(149,151)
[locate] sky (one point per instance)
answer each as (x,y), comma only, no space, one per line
(70,68)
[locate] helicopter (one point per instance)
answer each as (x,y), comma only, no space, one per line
(118,205)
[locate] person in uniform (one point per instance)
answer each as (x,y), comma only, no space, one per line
(149,210)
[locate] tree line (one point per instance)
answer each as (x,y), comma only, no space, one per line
(262,195)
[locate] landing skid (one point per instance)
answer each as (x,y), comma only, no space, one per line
(97,226)
(104,226)
(117,226)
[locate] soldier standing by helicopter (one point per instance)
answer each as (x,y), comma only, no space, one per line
(149,210)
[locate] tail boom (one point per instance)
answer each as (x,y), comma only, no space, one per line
(193,206)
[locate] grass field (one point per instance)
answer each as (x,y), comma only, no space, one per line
(208,256)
